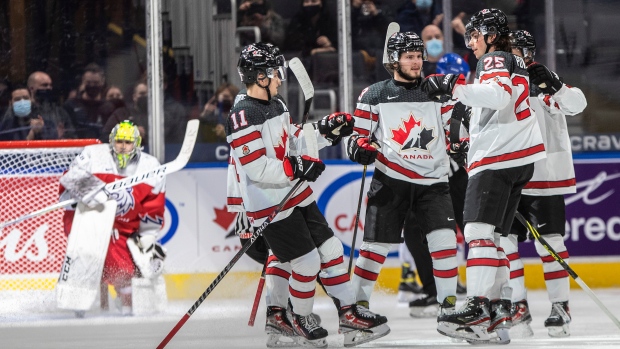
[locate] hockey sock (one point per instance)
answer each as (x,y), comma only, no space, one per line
(517,281)
(482,260)
(442,246)
(502,276)
(302,283)
(367,268)
(276,282)
(334,275)
(556,278)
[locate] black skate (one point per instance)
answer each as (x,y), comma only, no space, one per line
(469,323)
(408,284)
(310,334)
(360,325)
(279,329)
(501,321)
(424,307)
(558,320)
(448,306)
(460,288)
(521,319)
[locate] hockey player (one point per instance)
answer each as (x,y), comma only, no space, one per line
(267,153)
(505,141)
(411,170)
(542,201)
(140,209)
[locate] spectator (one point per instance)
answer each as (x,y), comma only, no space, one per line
(216,111)
(414,15)
(433,41)
(462,10)
(23,122)
(368,26)
(137,112)
(311,30)
(43,97)
(85,108)
(114,100)
(5,95)
(258,13)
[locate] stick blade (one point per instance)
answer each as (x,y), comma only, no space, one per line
(302,77)
(392,28)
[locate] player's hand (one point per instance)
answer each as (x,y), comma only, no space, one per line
(303,167)
(335,126)
(541,76)
(439,85)
(458,151)
(361,150)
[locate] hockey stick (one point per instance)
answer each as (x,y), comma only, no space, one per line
(259,293)
(173,166)
(566,267)
(392,28)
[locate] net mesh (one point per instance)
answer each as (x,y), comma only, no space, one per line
(32,251)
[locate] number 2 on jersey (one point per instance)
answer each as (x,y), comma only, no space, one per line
(522,105)
(242,122)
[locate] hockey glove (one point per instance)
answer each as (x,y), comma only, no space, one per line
(335,126)
(303,167)
(361,150)
(438,85)
(548,81)
(458,151)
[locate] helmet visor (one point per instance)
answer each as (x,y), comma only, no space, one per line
(280,71)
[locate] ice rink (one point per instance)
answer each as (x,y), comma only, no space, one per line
(222,323)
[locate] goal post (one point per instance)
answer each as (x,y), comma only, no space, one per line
(32,251)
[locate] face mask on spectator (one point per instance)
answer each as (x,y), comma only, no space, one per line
(22,108)
(225,105)
(434,47)
(310,11)
(424,4)
(43,96)
(142,104)
(93,91)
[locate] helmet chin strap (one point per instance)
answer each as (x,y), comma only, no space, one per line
(266,87)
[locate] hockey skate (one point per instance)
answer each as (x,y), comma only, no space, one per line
(469,323)
(279,330)
(408,286)
(309,333)
(501,321)
(448,306)
(424,307)
(460,288)
(521,319)
(558,320)
(360,325)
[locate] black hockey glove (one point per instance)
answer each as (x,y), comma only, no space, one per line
(361,150)
(303,167)
(458,151)
(335,126)
(548,81)
(438,85)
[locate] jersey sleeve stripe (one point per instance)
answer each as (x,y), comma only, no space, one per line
(508,156)
(366,115)
(234,201)
(361,131)
(245,139)
(494,74)
(244,160)
(395,167)
(551,184)
(290,204)
(447,108)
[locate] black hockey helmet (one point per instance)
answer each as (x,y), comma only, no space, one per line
(404,42)
(523,40)
(487,22)
(260,57)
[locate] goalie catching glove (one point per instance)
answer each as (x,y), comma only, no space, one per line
(361,150)
(548,81)
(303,167)
(335,126)
(438,85)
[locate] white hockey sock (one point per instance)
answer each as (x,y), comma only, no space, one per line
(501,288)
(276,282)
(556,278)
(442,246)
(302,283)
(367,268)
(482,260)
(517,281)
(334,274)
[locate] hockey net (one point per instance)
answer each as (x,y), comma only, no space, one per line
(32,251)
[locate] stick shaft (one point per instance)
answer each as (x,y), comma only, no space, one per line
(357,221)
(259,293)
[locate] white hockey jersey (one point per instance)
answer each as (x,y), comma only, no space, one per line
(261,134)
(555,175)
(409,127)
(503,130)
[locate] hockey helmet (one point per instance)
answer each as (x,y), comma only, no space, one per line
(523,40)
(404,42)
(260,57)
(487,22)
(125,131)
(452,63)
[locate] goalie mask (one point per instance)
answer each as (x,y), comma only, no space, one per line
(125,140)
(524,41)
(487,22)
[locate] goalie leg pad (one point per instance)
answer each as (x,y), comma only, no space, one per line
(149,296)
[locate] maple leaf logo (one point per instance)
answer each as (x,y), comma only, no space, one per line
(223,218)
(281,146)
(408,138)
(401,134)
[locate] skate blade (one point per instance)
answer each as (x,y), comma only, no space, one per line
(558,331)
(357,337)
(405,297)
(476,333)
(424,312)
(500,336)
(276,340)
(521,330)
(316,343)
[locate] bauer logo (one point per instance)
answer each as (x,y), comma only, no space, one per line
(338,202)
